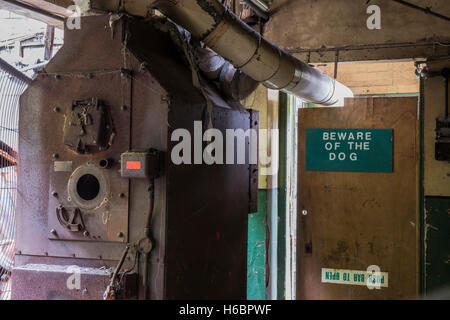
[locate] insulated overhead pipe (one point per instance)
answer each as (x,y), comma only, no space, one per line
(223,32)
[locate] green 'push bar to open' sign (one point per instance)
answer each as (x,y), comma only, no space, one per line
(353,150)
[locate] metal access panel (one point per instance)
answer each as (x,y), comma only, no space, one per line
(87,195)
(208,214)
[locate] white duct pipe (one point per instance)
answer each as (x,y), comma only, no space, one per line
(212,23)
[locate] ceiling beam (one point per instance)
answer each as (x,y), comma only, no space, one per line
(41,10)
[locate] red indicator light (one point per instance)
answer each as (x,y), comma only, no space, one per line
(133,165)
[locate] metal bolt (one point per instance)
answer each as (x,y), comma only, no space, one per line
(304,212)
(122,195)
(120,234)
(57,76)
(124,74)
(123,108)
(144,65)
(54,193)
(53,232)
(86,233)
(56,109)
(55,155)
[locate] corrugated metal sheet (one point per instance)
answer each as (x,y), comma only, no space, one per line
(10,90)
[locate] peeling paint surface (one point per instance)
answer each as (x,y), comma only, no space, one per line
(256,256)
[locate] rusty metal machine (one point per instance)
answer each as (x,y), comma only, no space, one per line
(100,199)
(102,210)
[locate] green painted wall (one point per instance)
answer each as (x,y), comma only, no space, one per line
(256,257)
(437,246)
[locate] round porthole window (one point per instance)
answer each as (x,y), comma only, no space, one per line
(88,187)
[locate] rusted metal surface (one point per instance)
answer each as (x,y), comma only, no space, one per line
(253,168)
(58,282)
(149,92)
(96,212)
(207,221)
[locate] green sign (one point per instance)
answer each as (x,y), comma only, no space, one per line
(354,150)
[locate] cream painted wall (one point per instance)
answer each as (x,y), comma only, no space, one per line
(375,78)
(266,102)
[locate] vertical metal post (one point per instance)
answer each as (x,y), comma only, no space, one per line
(48,42)
(422,258)
(283,125)
(272,196)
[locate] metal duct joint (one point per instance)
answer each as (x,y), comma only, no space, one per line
(222,31)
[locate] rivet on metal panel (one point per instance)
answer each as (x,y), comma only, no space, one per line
(55,194)
(120,234)
(304,212)
(56,109)
(123,108)
(55,155)
(143,66)
(53,232)
(165,99)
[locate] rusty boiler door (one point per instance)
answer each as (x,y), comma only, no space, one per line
(358,200)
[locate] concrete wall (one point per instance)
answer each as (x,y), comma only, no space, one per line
(314,29)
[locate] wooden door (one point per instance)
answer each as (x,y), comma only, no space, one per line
(347,220)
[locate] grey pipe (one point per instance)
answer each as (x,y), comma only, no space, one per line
(223,32)
(231,81)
